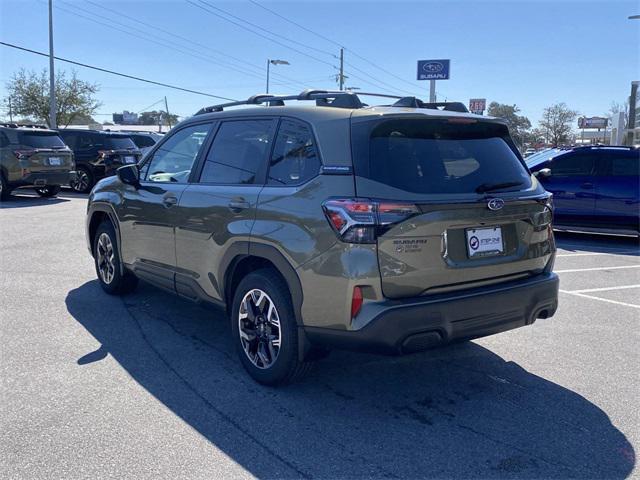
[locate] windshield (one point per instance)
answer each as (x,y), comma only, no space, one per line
(541,157)
(438,156)
(40,140)
(113,142)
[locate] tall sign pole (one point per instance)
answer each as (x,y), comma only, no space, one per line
(433,70)
(52,76)
(341,69)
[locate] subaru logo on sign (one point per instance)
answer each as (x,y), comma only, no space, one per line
(495,204)
(433,67)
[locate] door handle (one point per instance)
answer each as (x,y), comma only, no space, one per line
(169,200)
(238,205)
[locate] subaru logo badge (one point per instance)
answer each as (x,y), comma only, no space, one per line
(433,67)
(495,204)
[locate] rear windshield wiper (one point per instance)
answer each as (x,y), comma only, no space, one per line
(490,187)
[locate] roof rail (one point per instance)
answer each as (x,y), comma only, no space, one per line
(334,98)
(413,102)
(22,125)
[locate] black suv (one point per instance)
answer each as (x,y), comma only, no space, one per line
(98,155)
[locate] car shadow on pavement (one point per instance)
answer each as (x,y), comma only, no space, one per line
(584,242)
(460,411)
(21,201)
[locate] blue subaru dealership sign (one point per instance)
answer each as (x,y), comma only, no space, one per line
(433,69)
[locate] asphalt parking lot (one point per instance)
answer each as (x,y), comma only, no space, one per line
(148,385)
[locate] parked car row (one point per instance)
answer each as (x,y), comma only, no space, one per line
(44,159)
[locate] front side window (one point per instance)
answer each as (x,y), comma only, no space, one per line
(173,160)
(572,165)
(237,152)
(625,165)
(294,159)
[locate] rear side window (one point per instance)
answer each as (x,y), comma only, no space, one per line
(40,140)
(625,165)
(573,165)
(238,151)
(143,141)
(294,159)
(437,156)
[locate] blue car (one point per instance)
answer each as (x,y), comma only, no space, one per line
(595,189)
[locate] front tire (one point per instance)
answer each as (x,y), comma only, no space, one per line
(113,278)
(48,191)
(265,330)
(84,180)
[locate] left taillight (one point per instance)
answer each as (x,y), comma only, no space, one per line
(23,154)
(359,220)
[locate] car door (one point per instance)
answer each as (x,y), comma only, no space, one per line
(573,186)
(618,189)
(217,211)
(147,213)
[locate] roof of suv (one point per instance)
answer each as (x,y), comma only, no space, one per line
(23,127)
(101,132)
(336,105)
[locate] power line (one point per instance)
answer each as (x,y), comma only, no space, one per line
(132,77)
(355,54)
(258,33)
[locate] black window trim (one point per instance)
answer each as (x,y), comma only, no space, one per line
(205,145)
(275,138)
(592,173)
(261,174)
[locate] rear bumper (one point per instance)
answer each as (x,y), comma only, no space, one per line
(41,179)
(417,324)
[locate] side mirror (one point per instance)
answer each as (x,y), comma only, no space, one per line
(542,173)
(129,174)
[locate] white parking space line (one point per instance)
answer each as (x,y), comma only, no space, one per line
(632,305)
(605,289)
(572,270)
(620,253)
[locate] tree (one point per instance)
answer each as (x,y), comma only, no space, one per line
(556,122)
(157,117)
(29,94)
(518,124)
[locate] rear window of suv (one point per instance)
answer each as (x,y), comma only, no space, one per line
(40,140)
(115,142)
(437,156)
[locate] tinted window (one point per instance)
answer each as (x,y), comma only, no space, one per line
(294,159)
(237,152)
(572,165)
(114,142)
(541,157)
(625,165)
(173,160)
(143,141)
(70,139)
(4,140)
(40,140)
(434,156)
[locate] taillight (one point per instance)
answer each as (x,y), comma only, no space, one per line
(23,154)
(359,220)
(356,301)
(102,154)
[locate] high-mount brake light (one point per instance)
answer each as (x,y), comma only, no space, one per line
(358,220)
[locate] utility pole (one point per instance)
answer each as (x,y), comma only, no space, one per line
(268,63)
(166,109)
(10,111)
(341,81)
(52,77)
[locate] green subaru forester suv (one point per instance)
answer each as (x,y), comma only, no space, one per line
(391,229)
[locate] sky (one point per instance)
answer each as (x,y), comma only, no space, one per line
(529,53)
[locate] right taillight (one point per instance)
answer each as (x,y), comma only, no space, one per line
(357,220)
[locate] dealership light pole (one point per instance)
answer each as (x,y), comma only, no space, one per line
(274,62)
(52,78)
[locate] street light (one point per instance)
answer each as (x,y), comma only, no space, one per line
(274,62)
(634,17)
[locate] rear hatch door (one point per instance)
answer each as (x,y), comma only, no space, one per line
(120,149)
(43,151)
(479,216)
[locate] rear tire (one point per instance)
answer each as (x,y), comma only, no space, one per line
(113,278)
(267,343)
(83,181)
(5,191)
(48,191)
